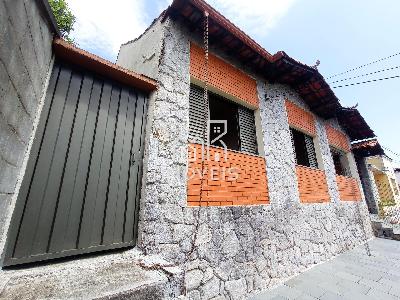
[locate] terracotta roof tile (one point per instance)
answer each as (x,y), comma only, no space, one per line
(367,148)
(280,67)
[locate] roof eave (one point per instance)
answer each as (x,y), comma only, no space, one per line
(71,54)
(367,148)
(280,67)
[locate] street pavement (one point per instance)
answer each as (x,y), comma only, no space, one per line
(352,275)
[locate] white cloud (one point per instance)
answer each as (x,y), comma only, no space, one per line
(104,25)
(255,17)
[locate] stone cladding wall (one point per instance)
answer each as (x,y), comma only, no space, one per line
(231,252)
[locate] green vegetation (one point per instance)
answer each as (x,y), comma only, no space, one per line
(64,17)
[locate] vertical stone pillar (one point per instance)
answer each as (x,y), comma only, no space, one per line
(369,186)
(165,166)
(327,160)
(280,159)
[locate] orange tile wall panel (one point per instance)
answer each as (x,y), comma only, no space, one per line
(337,138)
(349,189)
(313,187)
(223,76)
(300,118)
(240,179)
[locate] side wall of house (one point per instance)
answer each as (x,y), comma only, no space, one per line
(143,53)
(236,250)
(25,61)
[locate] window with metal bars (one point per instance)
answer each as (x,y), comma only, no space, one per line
(240,122)
(341,163)
(303,147)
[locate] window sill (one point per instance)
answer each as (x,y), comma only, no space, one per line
(228,150)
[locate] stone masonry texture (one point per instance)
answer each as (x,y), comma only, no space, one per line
(231,252)
(368,182)
(25,58)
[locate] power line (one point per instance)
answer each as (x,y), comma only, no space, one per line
(362,66)
(391,151)
(396,161)
(368,81)
(379,71)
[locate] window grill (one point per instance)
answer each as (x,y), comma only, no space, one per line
(303,148)
(241,134)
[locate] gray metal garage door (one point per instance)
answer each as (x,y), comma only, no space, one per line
(81,189)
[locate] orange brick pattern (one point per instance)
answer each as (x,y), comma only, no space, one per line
(300,118)
(337,138)
(221,187)
(313,187)
(223,76)
(349,189)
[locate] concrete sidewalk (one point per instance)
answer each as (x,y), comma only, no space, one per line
(351,275)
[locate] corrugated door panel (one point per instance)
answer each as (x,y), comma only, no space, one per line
(139,152)
(116,235)
(51,116)
(81,189)
(79,194)
(247,129)
(117,162)
(38,187)
(135,170)
(63,209)
(95,170)
(58,157)
(102,188)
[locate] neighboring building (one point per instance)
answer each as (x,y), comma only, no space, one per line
(362,151)
(378,176)
(116,161)
(385,178)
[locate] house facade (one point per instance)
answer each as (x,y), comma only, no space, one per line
(297,200)
(231,166)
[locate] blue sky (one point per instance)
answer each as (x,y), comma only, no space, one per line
(341,34)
